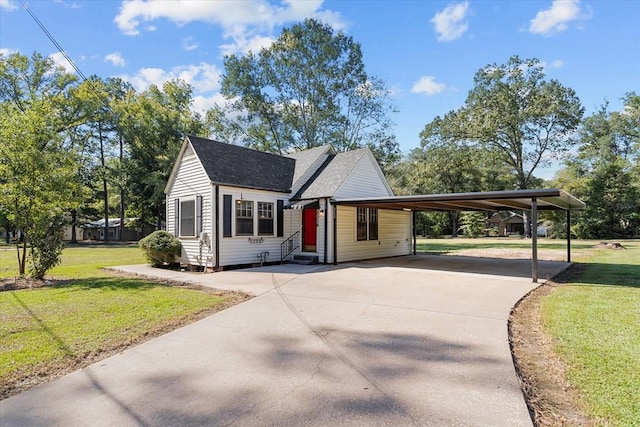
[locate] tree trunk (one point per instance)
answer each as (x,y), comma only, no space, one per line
(74,218)
(105,194)
(526,217)
(454,223)
(122,195)
(22,262)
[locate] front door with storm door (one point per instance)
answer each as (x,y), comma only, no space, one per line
(309,230)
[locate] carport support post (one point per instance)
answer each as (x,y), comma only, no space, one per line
(568,235)
(413,219)
(534,240)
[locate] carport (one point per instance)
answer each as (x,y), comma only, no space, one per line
(527,200)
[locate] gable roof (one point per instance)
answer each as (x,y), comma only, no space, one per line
(307,163)
(236,166)
(331,175)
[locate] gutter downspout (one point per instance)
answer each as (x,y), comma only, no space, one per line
(335,235)
(415,235)
(217,225)
(326,230)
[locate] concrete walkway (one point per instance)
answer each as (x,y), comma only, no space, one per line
(391,342)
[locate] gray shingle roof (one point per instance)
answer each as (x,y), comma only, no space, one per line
(306,159)
(237,166)
(330,176)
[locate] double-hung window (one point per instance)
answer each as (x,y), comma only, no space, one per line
(366,224)
(188,218)
(265,219)
(244,218)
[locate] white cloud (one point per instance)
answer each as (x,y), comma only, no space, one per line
(450,23)
(6,52)
(246,24)
(116,59)
(60,61)
(428,86)
(555,19)
(189,43)
(203,77)
(203,103)
(8,5)
(556,63)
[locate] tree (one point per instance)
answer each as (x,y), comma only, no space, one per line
(307,89)
(154,124)
(516,113)
(36,165)
(604,172)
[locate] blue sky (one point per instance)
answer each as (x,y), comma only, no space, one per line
(426,51)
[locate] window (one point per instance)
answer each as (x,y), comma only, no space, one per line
(367,224)
(373,224)
(188,218)
(244,218)
(362,224)
(265,219)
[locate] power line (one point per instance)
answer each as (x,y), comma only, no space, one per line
(53,40)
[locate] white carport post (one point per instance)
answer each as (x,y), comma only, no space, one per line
(534,240)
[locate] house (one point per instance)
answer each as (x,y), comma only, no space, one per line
(95,230)
(231,205)
(507,223)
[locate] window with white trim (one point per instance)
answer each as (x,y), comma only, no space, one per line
(244,218)
(265,219)
(366,224)
(188,218)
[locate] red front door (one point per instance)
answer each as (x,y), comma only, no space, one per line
(309,230)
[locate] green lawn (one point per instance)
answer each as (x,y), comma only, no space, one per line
(48,330)
(82,261)
(451,245)
(595,323)
(593,320)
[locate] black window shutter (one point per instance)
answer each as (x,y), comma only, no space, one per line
(226,212)
(176,217)
(198,215)
(280,223)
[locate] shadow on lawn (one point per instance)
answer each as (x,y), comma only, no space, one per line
(113,283)
(602,274)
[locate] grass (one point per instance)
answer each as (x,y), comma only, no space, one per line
(78,262)
(593,321)
(595,324)
(451,245)
(48,331)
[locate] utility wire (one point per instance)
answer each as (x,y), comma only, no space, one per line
(77,70)
(53,40)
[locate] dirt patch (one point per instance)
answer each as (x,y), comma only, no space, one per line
(551,400)
(26,380)
(609,245)
(512,253)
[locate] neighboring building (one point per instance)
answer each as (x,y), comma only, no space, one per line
(507,223)
(231,205)
(95,230)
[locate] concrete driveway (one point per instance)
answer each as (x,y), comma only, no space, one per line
(391,342)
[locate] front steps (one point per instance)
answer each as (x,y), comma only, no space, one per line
(304,259)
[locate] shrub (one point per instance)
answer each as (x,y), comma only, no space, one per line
(47,241)
(160,248)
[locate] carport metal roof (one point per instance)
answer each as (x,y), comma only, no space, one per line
(530,200)
(548,199)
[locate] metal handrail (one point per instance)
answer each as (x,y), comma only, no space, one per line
(289,245)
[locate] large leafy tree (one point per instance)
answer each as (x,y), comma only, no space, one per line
(514,112)
(604,172)
(37,165)
(154,124)
(307,89)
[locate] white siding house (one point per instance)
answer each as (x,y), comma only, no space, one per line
(232,206)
